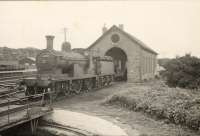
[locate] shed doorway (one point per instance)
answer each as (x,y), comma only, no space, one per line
(120,60)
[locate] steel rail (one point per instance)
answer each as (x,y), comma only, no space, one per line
(10,93)
(19,76)
(74,130)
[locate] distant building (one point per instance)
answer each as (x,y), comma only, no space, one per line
(159,69)
(8,65)
(7,62)
(130,55)
(28,62)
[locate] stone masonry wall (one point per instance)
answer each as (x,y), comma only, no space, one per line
(132,50)
(148,65)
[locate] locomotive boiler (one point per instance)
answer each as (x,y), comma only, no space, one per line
(69,71)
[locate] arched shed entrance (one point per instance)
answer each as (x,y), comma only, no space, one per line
(120,60)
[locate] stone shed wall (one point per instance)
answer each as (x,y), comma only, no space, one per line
(132,50)
(148,65)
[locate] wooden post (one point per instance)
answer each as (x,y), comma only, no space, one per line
(27,110)
(34,124)
(42,100)
(50,93)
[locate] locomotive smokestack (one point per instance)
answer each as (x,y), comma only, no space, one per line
(50,42)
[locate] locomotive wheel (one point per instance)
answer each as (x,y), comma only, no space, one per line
(34,90)
(76,86)
(47,90)
(58,88)
(100,82)
(29,91)
(66,90)
(88,84)
(97,83)
(104,81)
(38,90)
(109,79)
(55,91)
(54,94)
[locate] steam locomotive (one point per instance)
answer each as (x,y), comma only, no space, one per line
(69,71)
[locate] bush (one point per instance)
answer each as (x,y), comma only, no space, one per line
(183,72)
(175,105)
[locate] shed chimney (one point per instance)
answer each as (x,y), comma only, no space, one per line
(104,29)
(121,26)
(50,42)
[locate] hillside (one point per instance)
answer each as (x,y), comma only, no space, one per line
(163,61)
(17,54)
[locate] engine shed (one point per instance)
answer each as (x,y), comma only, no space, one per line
(132,58)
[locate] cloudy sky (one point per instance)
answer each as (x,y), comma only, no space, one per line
(170,27)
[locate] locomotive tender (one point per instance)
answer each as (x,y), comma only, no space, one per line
(68,71)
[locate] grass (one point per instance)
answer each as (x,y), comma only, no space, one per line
(179,106)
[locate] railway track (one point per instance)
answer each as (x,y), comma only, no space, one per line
(9,84)
(16,77)
(73,130)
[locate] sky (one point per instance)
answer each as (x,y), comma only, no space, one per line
(170,27)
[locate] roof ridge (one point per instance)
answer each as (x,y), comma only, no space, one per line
(133,38)
(142,44)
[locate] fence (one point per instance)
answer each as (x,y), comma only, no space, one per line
(14,110)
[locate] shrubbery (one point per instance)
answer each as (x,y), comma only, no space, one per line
(175,105)
(183,72)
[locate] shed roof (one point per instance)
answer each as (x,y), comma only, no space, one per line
(131,37)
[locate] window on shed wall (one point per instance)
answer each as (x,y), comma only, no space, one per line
(146,64)
(145,61)
(154,65)
(143,65)
(151,64)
